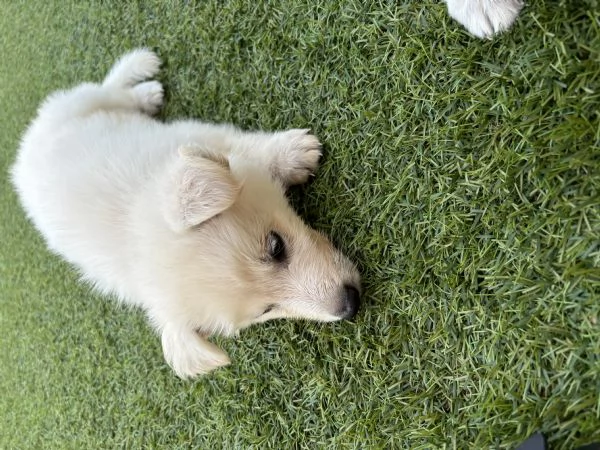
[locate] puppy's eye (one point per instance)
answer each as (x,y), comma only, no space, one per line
(268,309)
(276,247)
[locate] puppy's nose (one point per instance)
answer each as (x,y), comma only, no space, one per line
(350,302)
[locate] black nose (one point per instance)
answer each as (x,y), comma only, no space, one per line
(350,302)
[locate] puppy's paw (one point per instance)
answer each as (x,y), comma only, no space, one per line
(189,354)
(299,154)
(484,18)
(146,63)
(149,96)
(133,67)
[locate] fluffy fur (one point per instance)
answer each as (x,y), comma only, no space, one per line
(484,18)
(187,220)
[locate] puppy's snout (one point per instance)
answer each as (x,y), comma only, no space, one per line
(350,302)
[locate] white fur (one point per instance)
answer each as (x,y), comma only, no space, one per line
(484,18)
(175,217)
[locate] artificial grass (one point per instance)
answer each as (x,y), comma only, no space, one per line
(463,176)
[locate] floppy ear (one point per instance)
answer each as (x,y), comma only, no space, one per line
(198,187)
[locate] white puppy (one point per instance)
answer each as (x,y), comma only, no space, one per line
(187,220)
(484,18)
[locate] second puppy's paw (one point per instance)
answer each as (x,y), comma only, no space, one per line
(484,18)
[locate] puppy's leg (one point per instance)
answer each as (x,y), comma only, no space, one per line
(148,97)
(88,99)
(290,156)
(119,92)
(188,353)
(131,69)
(484,18)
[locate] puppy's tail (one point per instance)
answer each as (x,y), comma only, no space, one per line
(131,68)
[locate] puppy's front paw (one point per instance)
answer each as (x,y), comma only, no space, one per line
(189,354)
(149,96)
(299,154)
(484,18)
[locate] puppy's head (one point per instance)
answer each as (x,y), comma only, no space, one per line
(243,255)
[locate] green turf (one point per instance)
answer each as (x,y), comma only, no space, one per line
(463,176)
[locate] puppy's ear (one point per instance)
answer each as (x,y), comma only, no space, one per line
(198,187)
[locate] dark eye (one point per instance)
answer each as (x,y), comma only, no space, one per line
(268,309)
(276,247)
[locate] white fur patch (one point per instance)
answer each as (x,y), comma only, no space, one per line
(484,18)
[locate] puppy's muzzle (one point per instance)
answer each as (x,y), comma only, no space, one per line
(350,302)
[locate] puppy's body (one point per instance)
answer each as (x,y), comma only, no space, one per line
(187,220)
